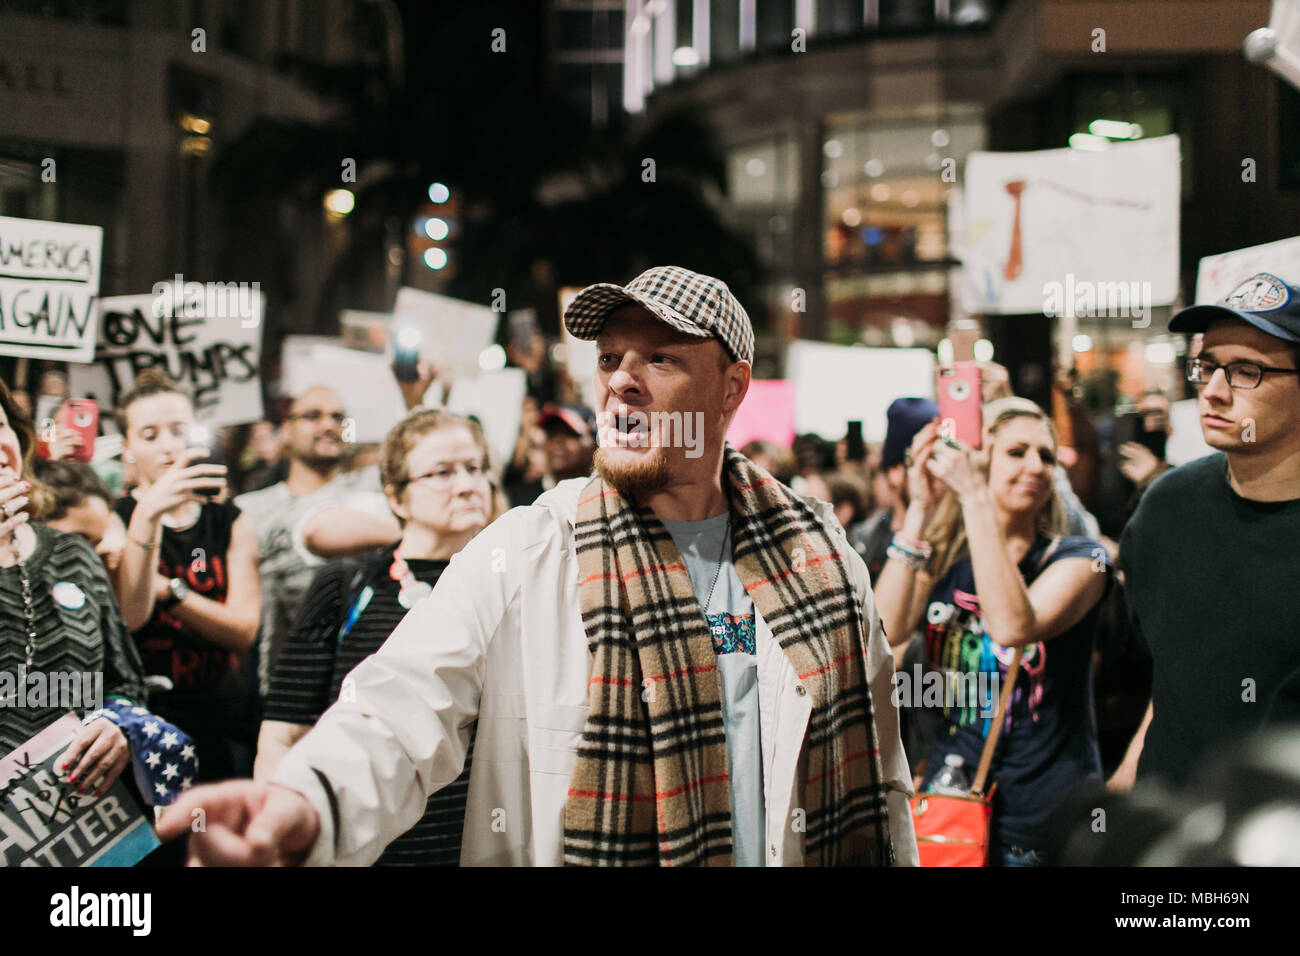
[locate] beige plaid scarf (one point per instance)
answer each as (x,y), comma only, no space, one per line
(650,785)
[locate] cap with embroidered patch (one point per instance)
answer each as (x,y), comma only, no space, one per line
(1265,301)
(695,304)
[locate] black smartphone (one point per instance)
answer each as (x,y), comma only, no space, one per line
(1130,428)
(857,448)
(406,355)
(523,325)
(201,437)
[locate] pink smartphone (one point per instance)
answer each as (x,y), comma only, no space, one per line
(959,403)
(82,416)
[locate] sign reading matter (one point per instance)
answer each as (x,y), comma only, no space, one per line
(45,822)
(49,278)
(213,358)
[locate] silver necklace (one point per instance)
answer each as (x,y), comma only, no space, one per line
(721,557)
(29,612)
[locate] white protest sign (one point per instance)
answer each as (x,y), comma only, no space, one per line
(1186,440)
(363,380)
(453,334)
(212,358)
(496,399)
(367,331)
(837,384)
(579,354)
(49,278)
(1057,230)
(1218,275)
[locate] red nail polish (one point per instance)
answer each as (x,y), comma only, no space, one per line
(72,780)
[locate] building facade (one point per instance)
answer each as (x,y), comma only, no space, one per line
(112,111)
(847,126)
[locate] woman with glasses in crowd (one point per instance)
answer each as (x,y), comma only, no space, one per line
(57,616)
(188,581)
(434,471)
(980,564)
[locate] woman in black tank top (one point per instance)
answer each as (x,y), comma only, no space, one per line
(188,582)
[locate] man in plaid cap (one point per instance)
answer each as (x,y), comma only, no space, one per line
(677,661)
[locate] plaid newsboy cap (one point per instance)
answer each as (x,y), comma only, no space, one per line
(696,304)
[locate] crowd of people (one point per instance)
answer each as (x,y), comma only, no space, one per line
(606,649)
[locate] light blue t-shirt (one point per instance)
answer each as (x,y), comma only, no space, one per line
(730,613)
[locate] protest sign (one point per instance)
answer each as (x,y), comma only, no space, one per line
(49,278)
(836,384)
(766,413)
(366,331)
(496,399)
(579,354)
(45,822)
(213,358)
(1218,275)
(364,380)
(453,334)
(1186,440)
(1072,230)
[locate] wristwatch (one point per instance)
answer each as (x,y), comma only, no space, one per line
(179,591)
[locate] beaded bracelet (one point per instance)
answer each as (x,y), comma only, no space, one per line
(907,557)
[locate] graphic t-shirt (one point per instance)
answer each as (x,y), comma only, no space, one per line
(731,618)
(1048,742)
(1211,582)
(210,685)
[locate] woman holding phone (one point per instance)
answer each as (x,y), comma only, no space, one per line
(188,579)
(980,563)
(57,616)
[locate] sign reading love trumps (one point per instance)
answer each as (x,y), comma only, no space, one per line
(214,358)
(49,278)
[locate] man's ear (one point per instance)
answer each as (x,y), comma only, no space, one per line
(395,503)
(738,376)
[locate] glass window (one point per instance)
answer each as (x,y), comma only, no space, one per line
(763,174)
(724,30)
(775,22)
(837,18)
(573,29)
(906,14)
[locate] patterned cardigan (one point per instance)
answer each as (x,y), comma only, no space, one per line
(83,654)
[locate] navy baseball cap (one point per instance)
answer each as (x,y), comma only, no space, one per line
(1265,301)
(907,416)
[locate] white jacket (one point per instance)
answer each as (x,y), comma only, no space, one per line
(501,640)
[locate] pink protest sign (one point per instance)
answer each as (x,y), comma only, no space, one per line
(767,412)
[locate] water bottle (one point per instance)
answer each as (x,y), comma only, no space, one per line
(952,779)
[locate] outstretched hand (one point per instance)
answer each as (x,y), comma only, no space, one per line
(242,823)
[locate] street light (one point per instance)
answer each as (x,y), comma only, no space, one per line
(340,202)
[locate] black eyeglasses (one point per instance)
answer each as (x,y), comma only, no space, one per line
(315,415)
(443,476)
(1242,375)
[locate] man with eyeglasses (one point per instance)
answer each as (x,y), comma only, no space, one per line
(1212,553)
(315,446)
